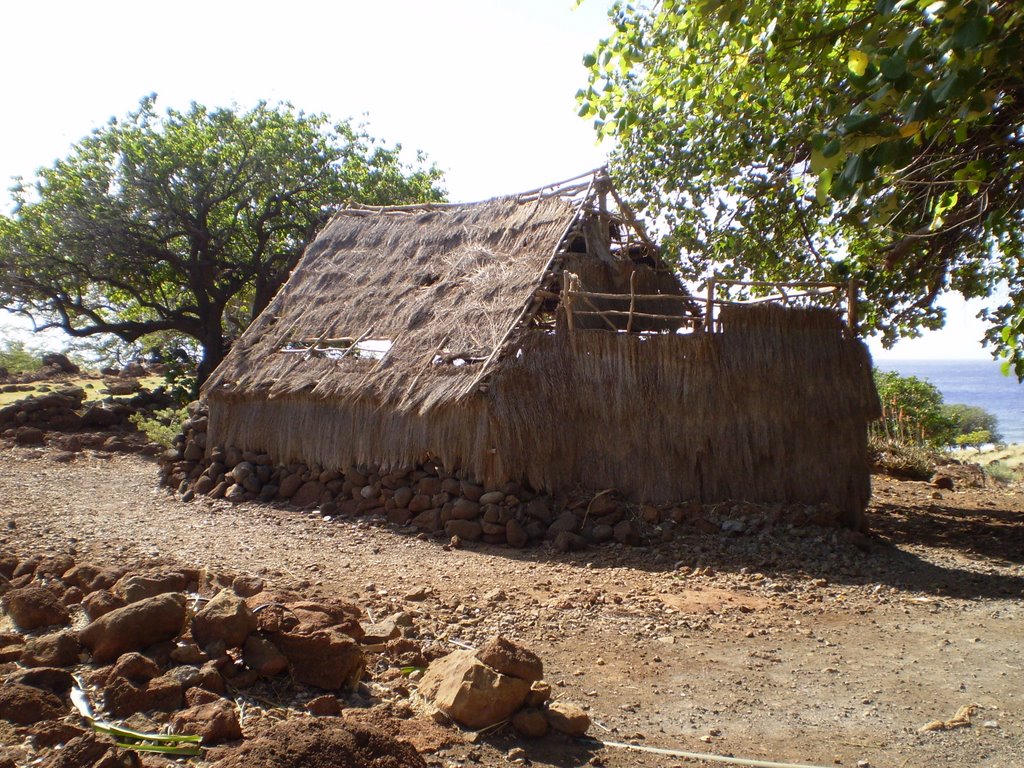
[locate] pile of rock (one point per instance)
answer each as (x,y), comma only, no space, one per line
(75,424)
(133,370)
(499,682)
(426,498)
(149,644)
(27,420)
(150,652)
(53,365)
(430,498)
(143,642)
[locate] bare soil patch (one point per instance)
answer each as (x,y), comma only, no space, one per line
(799,646)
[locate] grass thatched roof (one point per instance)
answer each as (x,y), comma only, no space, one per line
(435,281)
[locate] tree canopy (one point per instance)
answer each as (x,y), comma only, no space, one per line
(913,412)
(972,420)
(881,140)
(187,221)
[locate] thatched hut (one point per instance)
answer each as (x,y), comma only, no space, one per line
(541,338)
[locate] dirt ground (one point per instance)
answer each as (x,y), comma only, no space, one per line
(795,646)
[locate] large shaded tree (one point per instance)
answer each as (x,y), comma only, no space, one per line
(187,221)
(876,139)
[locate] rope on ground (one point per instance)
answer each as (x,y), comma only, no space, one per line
(703,756)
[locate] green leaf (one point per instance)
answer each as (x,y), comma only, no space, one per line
(858,168)
(856,123)
(862,142)
(922,109)
(894,67)
(821,162)
(947,202)
(971,33)
(952,87)
(823,186)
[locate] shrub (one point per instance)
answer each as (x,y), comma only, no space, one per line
(903,459)
(975,439)
(163,426)
(18,358)
(912,411)
(1000,472)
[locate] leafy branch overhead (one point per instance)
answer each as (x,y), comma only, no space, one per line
(880,140)
(187,221)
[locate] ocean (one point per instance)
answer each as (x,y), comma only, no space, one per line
(974,382)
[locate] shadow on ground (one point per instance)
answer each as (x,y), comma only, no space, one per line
(939,551)
(972,532)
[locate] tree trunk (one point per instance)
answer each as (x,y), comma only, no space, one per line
(264,291)
(213,349)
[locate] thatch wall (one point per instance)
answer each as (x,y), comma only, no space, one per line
(774,408)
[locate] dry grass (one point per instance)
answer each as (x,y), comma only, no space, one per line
(93,386)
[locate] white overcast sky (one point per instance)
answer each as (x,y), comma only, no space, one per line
(485,87)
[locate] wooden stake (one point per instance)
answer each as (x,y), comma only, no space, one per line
(623,313)
(570,320)
(632,300)
(355,343)
(683,297)
(631,218)
(709,311)
(602,313)
(424,365)
(312,350)
(851,306)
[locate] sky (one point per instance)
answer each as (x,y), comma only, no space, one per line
(484,87)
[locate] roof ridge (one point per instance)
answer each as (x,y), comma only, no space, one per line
(568,188)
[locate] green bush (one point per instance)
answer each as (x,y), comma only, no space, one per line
(16,357)
(975,439)
(164,425)
(1000,472)
(911,411)
(972,420)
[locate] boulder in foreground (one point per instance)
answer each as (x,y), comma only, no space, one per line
(135,627)
(470,692)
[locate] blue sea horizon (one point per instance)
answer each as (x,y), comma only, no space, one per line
(973,382)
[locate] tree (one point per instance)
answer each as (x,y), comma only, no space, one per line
(972,419)
(975,439)
(880,140)
(912,411)
(189,221)
(17,357)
